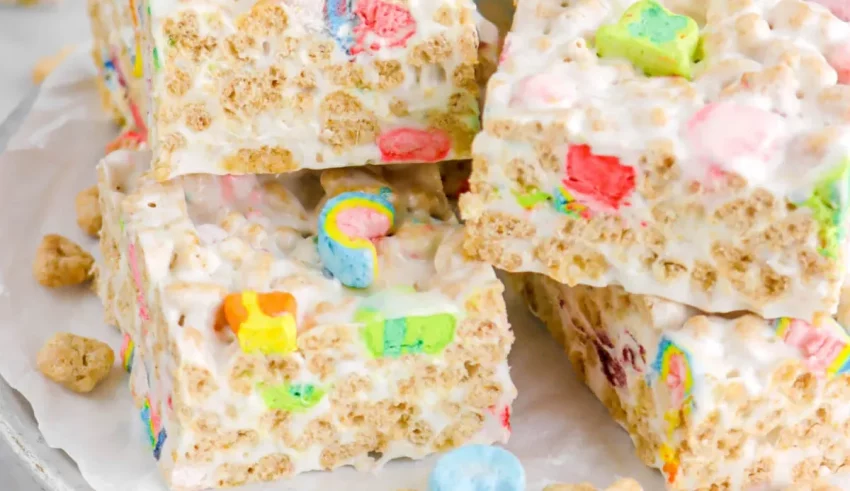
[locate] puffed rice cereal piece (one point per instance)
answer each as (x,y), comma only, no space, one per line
(76,362)
(61,262)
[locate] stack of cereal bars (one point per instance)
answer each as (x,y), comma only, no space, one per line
(278,249)
(670,181)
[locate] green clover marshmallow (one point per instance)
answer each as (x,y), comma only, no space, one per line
(654,39)
(405,335)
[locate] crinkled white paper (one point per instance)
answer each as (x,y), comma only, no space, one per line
(561,433)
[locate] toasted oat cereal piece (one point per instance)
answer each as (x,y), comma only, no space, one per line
(76,362)
(620,485)
(250,357)
(762,400)
(89,218)
(326,84)
(724,188)
(46,65)
(61,262)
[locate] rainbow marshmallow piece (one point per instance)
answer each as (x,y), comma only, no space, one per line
(672,368)
(128,349)
(153,424)
(825,346)
(348,224)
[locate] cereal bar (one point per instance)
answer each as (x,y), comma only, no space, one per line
(271,87)
(714,402)
(700,155)
(252,360)
(117,55)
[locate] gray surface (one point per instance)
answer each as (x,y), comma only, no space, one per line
(26,463)
(27,35)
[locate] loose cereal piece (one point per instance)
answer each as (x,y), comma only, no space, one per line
(242,344)
(692,388)
(76,362)
(61,262)
(725,188)
(49,63)
(88,211)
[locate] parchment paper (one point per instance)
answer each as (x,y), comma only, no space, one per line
(561,433)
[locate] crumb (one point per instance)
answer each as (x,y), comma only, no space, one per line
(88,211)
(46,65)
(76,362)
(61,262)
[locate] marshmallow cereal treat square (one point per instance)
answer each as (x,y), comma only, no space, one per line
(118,57)
(693,150)
(280,325)
(714,402)
(256,87)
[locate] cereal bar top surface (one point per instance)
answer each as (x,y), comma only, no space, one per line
(777,70)
(759,91)
(256,87)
